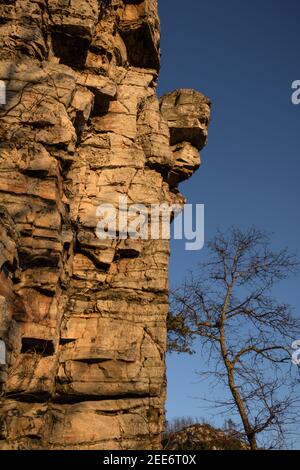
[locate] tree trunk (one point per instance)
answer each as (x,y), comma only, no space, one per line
(230,373)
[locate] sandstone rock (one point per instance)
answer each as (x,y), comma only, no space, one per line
(72,25)
(64,426)
(187,161)
(187,113)
(204,437)
(83,320)
(139,28)
(21,30)
(154,135)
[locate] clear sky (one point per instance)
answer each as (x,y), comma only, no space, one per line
(244,55)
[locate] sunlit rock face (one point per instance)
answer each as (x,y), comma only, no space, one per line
(83,320)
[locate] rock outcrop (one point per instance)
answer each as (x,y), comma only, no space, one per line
(83,319)
(204,437)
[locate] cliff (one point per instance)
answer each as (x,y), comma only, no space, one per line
(83,319)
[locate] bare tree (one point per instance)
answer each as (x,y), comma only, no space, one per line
(229,305)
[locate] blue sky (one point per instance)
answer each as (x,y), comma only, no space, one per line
(244,55)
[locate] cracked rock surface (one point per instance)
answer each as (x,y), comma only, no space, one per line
(83,319)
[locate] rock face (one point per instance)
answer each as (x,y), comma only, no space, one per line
(83,320)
